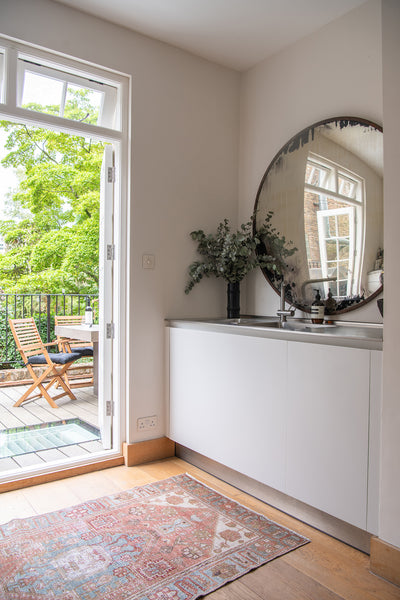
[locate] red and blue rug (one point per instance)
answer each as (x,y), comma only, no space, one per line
(175,539)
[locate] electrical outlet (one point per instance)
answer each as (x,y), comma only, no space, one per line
(146,423)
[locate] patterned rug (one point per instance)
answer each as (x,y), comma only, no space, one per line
(175,539)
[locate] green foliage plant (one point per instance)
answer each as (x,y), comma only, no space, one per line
(232,254)
(52,230)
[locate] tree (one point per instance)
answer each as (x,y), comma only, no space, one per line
(52,235)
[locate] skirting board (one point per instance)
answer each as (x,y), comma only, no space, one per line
(385,560)
(303,512)
(144,452)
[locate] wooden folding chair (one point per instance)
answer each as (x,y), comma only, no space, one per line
(34,353)
(73,345)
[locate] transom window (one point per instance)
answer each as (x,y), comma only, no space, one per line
(334,226)
(62,89)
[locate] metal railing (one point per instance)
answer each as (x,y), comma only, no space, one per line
(42,307)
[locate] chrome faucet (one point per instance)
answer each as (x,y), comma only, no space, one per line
(282,312)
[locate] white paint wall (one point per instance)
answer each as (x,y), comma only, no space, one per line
(390,474)
(335,71)
(184,177)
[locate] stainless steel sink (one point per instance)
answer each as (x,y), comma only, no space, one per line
(270,323)
(299,326)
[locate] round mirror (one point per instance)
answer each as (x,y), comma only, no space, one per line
(323,193)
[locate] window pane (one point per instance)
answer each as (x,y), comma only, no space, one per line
(344,250)
(331,252)
(332,226)
(343,225)
(343,288)
(347,187)
(49,90)
(42,94)
(82,104)
(316,175)
(1,74)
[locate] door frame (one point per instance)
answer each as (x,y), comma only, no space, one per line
(121,142)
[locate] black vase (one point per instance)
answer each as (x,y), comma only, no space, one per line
(233,300)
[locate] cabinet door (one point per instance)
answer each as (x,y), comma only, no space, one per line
(227,400)
(327,435)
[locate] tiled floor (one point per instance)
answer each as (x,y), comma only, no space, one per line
(39,411)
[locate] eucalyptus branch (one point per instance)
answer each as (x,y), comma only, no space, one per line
(231,255)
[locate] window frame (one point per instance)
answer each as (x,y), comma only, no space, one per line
(357,202)
(325,262)
(9,110)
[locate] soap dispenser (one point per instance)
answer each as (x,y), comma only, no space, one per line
(317,309)
(330,304)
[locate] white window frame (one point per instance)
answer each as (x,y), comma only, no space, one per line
(9,110)
(357,202)
(321,215)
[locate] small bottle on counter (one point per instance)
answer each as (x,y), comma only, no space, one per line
(317,309)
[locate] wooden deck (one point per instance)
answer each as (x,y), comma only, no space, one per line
(38,411)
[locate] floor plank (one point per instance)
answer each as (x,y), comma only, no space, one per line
(277,580)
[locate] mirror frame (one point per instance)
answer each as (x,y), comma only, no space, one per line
(293,144)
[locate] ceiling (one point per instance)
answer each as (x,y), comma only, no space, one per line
(234,33)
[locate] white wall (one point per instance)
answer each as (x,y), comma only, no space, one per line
(390,478)
(184,160)
(335,71)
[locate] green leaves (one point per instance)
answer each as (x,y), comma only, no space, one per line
(233,254)
(52,235)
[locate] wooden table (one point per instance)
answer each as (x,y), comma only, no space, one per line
(85,334)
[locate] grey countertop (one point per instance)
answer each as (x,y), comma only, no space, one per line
(342,333)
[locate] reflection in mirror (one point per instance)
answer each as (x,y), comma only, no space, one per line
(325,190)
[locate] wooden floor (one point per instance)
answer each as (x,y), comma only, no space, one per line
(39,411)
(325,569)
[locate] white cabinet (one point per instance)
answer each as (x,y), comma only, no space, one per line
(302,418)
(327,429)
(227,400)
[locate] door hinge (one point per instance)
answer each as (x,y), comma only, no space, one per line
(109,408)
(110,251)
(110,331)
(111,175)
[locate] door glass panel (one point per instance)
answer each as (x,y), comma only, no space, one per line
(343,249)
(330,250)
(343,225)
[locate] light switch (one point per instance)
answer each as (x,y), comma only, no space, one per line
(148,261)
